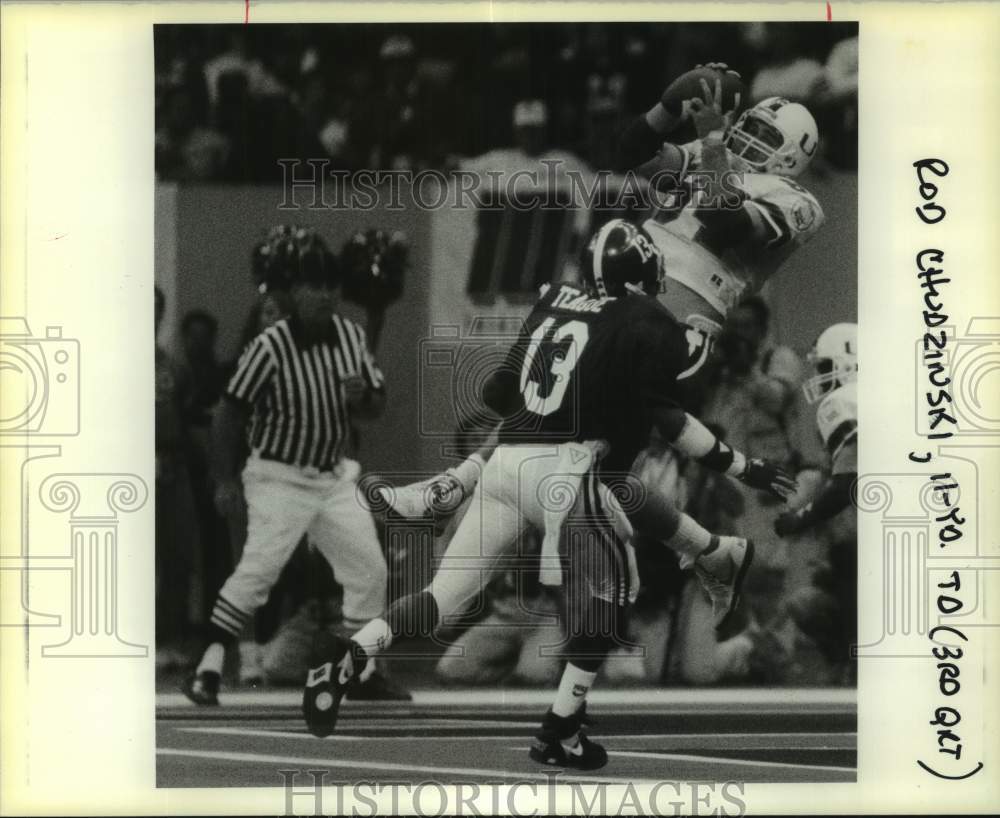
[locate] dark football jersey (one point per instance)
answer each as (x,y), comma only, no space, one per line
(592,368)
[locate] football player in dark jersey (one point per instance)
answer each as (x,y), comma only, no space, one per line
(591,376)
(622,259)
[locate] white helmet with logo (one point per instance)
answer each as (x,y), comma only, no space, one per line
(834,358)
(775,136)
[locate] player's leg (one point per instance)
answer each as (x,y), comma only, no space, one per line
(489,527)
(345,534)
(601,583)
(278,513)
(720,562)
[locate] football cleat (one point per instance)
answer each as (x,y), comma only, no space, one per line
(562,743)
(202,688)
(732,560)
(325,687)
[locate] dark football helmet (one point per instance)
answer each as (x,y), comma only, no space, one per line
(294,255)
(621,257)
(374,264)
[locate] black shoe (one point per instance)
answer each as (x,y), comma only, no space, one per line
(326,684)
(548,746)
(202,688)
(376,688)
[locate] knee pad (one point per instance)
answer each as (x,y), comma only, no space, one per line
(414,615)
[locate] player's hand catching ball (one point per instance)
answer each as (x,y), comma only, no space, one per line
(676,98)
(707,112)
(769,477)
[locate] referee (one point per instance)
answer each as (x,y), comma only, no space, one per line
(297,387)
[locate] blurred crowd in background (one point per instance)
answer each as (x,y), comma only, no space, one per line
(232,100)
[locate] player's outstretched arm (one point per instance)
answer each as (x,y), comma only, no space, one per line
(691,437)
(644,145)
(832,498)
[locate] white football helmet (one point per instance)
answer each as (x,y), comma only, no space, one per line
(775,136)
(834,358)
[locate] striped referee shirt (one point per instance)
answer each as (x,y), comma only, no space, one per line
(296,390)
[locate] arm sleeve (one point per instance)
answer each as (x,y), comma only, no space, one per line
(637,143)
(254,371)
(833,497)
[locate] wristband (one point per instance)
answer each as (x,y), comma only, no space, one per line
(738,466)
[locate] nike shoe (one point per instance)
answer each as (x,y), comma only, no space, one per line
(376,688)
(202,688)
(326,684)
(722,574)
(562,743)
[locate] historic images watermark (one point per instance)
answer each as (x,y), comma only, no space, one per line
(41,403)
(317,792)
(547,184)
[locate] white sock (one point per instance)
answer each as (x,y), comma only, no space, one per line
(212,659)
(573,687)
(689,540)
(375,637)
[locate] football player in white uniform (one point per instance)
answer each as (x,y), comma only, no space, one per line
(733,212)
(834,385)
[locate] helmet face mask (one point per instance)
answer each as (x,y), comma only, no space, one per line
(834,360)
(756,142)
(775,136)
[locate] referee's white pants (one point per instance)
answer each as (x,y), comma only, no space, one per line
(520,486)
(283,503)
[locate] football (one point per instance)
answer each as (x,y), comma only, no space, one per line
(688,86)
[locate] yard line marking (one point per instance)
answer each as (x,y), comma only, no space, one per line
(732,761)
(770,737)
(782,700)
(253,758)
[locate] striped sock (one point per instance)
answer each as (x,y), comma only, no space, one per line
(228,618)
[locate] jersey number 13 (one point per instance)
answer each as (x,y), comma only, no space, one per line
(561,345)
